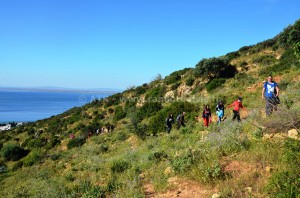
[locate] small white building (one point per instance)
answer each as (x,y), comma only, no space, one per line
(4,128)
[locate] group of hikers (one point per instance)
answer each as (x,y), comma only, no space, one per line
(270,93)
(103,130)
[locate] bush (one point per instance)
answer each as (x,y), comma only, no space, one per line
(141,89)
(76,142)
(214,68)
(175,76)
(265,60)
(33,158)
(55,157)
(53,142)
(119,113)
(190,81)
(17,165)
(122,136)
(158,156)
(37,143)
(182,163)
(232,55)
(148,109)
(156,93)
(215,83)
(175,86)
(86,190)
(103,148)
(119,166)
(13,152)
(284,184)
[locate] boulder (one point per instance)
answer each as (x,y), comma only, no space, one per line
(293,133)
(216,195)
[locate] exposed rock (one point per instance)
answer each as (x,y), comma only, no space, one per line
(268,136)
(248,189)
(268,169)
(216,195)
(142,176)
(293,133)
(168,171)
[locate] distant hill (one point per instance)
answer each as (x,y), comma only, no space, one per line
(61,89)
(133,156)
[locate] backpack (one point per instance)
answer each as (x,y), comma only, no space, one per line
(178,118)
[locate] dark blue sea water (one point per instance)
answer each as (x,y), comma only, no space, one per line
(25,106)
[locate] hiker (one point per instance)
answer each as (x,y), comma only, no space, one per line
(270,93)
(220,111)
(236,108)
(72,136)
(169,122)
(90,134)
(180,120)
(206,115)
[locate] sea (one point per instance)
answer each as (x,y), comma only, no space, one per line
(29,106)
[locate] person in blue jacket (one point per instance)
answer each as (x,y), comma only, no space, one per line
(270,93)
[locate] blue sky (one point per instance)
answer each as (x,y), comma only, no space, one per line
(122,43)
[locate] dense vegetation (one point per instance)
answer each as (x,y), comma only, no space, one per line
(133,156)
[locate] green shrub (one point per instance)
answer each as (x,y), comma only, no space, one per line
(215,83)
(175,76)
(17,165)
(212,172)
(148,109)
(76,142)
(156,93)
(69,177)
(31,131)
(122,136)
(55,157)
(190,81)
(232,55)
(284,184)
(158,156)
(13,152)
(36,143)
(141,89)
(113,100)
(53,142)
(265,60)
(175,86)
(33,158)
(119,166)
(113,185)
(119,113)
(103,148)
(182,163)
(215,68)
(86,190)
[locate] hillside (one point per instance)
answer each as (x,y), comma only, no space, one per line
(257,157)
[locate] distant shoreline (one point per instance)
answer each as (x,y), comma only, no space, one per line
(61,90)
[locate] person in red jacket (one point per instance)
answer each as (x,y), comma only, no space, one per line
(236,108)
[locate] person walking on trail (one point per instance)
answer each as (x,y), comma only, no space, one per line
(270,93)
(180,120)
(220,111)
(236,108)
(206,115)
(169,122)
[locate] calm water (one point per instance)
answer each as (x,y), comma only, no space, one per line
(23,106)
